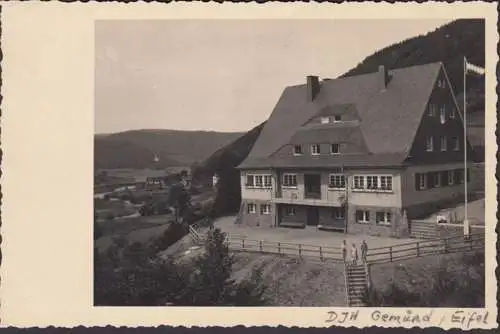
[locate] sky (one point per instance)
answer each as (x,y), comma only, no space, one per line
(223,75)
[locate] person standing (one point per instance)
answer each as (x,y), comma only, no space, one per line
(344,250)
(354,254)
(364,251)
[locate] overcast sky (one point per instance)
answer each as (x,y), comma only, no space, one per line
(223,75)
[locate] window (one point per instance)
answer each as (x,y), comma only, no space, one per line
(337,118)
(265,209)
(442,114)
(420,181)
(429,144)
(251,208)
(362,216)
(384,218)
(267,181)
(371,182)
(359,182)
(386,182)
(290,211)
(337,181)
(338,213)
(250,181)
(450,177)
(437,179)
(259,181)
(458,176)
(432,110)
(297,150)
(289,180)
(315,150)
(335,149)
(325,120)
(444,144)
(452,113)
(456,144)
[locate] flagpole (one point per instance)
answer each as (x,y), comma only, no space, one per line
(466,223)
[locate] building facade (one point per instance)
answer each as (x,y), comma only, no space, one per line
(359,154)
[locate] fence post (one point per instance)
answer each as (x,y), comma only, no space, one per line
(320,253)
(279,247)
(390,253)
(300,250)
(418,248)
(445,246)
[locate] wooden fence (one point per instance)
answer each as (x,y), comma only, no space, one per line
(285,248)
(392,253)
(425,247)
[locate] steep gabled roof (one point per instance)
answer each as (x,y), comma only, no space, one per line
(389,118)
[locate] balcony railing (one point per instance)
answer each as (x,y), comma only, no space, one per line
(312,195)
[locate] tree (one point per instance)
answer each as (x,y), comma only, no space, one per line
(179,199)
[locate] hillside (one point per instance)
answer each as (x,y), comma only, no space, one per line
(136,148)
(449,44)
(223,162)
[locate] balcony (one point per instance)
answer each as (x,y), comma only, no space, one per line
(312,195)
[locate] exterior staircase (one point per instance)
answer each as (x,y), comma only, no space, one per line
(237,221)
(357,282)
(423,229)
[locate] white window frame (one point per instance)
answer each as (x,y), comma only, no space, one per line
(338,213)
(325,120)
(261,184)
(251,208)
(290,211)
(451,177)
(429,144)
(265,209)
(315,149)
(247,184)
(341,178)
(338,148)
(358,182)
(291,176)
(386,179)
(269,178)
(442,114)
(423,181)
(366,217)
(387,217)
(371,182)
(432,110)
(444,144)
(295,150)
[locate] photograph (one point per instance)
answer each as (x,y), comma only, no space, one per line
(289,162)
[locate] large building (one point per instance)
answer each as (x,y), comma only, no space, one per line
(359,154)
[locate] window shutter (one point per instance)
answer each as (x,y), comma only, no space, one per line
(417,181)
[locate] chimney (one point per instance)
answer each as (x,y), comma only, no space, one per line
(312,87)
(383,77)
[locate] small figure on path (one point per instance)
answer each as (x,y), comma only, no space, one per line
(354,254)
(364,251)
(344,250)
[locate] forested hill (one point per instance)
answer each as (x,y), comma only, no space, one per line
(448,44)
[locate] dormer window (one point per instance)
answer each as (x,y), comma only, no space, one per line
(315,149)
(335,149)
(444,145)
(297,150)
(325,120)
(337,118)
(429,144)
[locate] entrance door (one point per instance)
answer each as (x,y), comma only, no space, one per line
(312,216)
